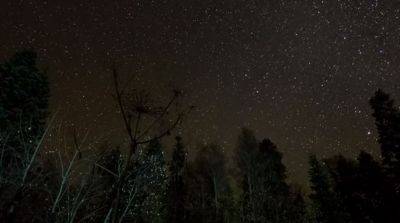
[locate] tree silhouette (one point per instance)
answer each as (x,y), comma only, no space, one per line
(271,190)
(265,194)
(295,206)
(387,120)
(246,156)
(326,205)
(345,185)
(176,183)
(209,191)
(144,121)
(24,94)
(370,191)
(135,185)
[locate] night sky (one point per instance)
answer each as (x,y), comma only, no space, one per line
(297,72)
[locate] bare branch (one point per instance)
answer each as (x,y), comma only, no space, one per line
(36,150)
(168,131)
(118,96)
(164,111)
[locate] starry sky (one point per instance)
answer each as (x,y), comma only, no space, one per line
(297,72)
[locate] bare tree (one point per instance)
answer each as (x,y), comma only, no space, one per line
(144,121)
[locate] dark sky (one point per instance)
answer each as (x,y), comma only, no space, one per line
(298,72)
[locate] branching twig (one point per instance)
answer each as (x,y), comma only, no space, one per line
(38,146)
(136,136)
(63,183)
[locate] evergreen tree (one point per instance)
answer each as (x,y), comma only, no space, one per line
(360,186)
(371,181)
(387,120)
(295,206)
(326,206)
(265,194)
(176,183)
(246,150)
(246,156)
(271,190)
(24,94)
(345,185)
(275,172)
(209,194)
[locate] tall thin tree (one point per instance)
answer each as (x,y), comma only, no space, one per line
(176,183)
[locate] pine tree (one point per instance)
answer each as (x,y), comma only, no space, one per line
(326,206)
(265,194)
(271,190)
(246,150)
(295,206)
(345,184)
(361,187)
(271,161)
(246,156)
(24,94)
(370,189)
(209,194)
(387,120)
(176,183)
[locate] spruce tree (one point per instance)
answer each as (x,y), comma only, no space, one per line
(295,206)
(176,183)
(387,120)
(326,206)
(271,190)
(371,189)
(345,186)
(24,94)
(209,199)
(265,194)
(246,157)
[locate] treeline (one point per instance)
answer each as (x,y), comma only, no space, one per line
(139,184)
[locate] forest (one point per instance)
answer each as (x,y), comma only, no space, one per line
(139,183)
